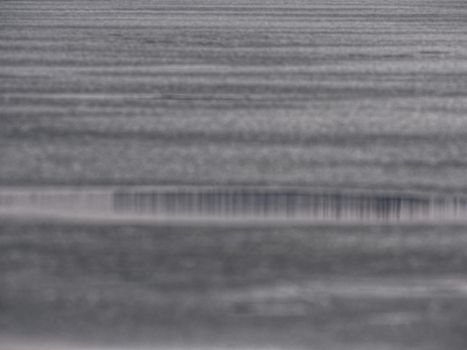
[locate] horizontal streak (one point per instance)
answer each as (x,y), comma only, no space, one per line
(231,204)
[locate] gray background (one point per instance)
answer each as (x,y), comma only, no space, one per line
(339,94)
